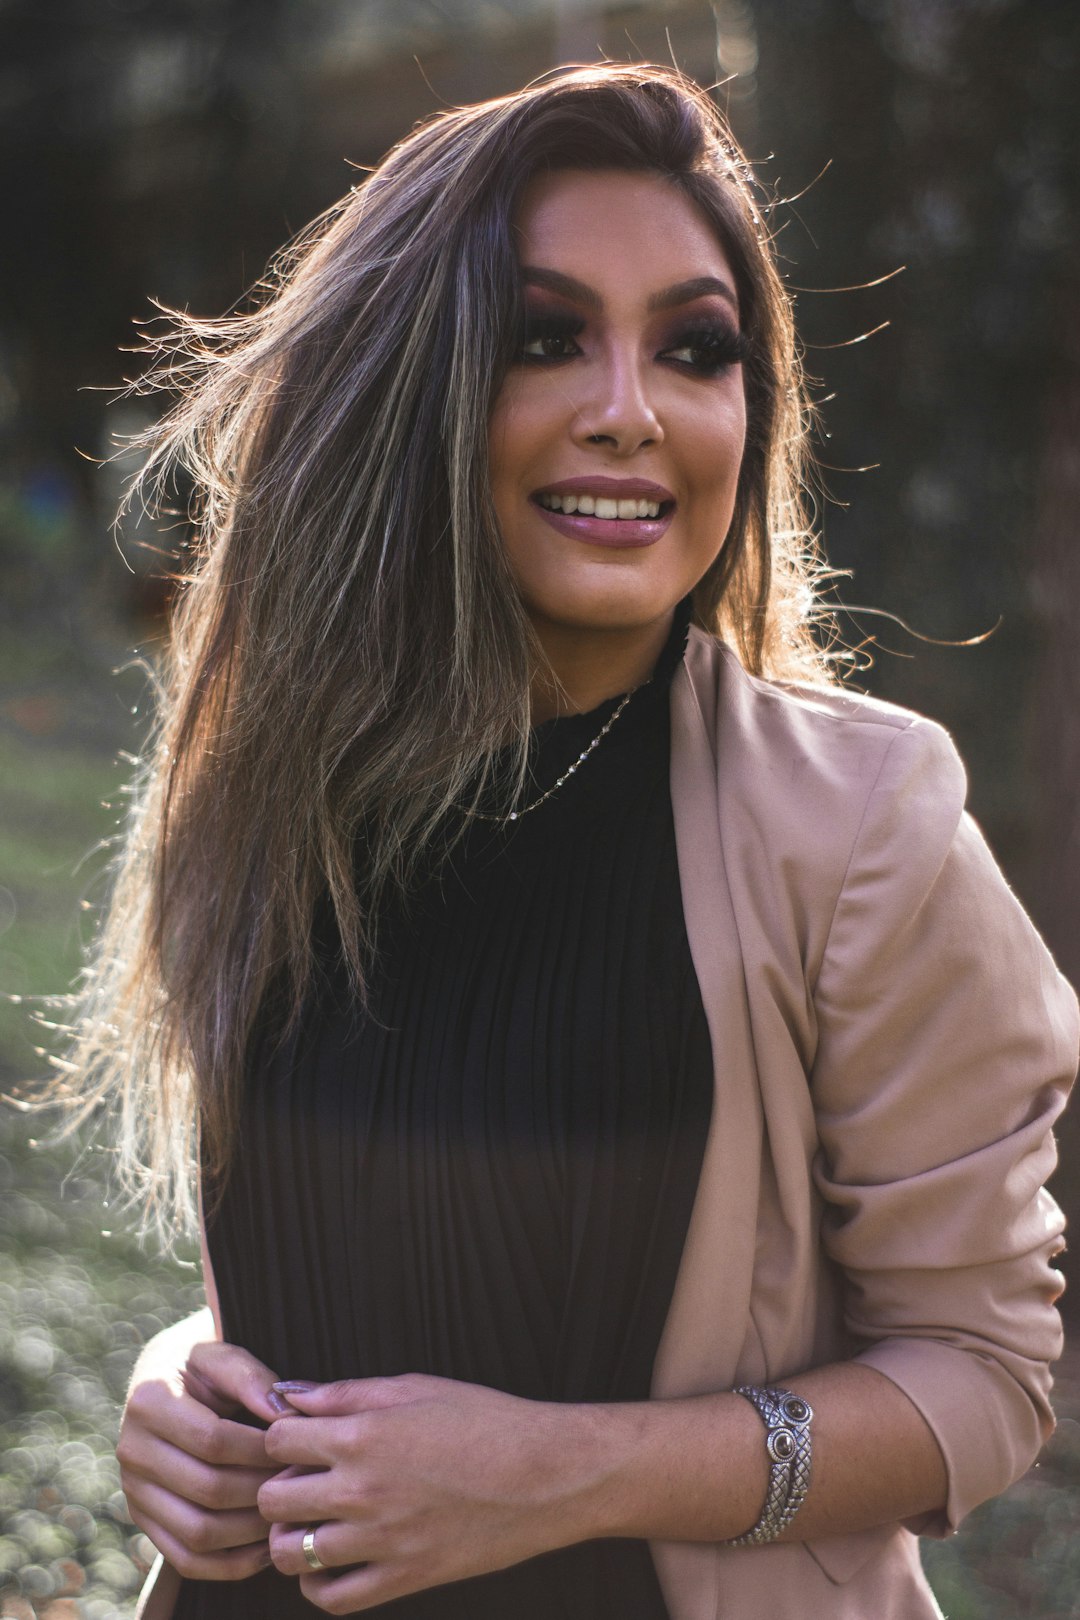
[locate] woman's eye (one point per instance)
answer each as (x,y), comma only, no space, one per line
(710,350)
(550,340)
(549,348)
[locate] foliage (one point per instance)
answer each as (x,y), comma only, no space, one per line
(76,1303)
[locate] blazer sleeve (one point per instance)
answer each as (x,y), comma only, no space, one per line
(947,1045)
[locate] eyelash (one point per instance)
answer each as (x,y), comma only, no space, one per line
(549,328)
(717,344)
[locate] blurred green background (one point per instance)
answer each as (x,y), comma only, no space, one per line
(164,149)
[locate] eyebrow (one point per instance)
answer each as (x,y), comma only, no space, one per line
(683,292)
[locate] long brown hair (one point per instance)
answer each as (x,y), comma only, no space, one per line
(349,651)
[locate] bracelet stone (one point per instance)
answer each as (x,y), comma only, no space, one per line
(787,1440)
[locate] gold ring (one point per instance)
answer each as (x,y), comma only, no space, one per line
(311,1557)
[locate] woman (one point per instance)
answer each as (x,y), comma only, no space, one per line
(574,1007)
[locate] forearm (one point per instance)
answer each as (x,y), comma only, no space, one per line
(695,1469)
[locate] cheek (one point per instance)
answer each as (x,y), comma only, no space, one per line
(714,450)
(514,429)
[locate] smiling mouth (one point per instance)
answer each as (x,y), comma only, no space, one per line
(602,506)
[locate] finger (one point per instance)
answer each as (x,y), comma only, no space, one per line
(199,1530)
(350,1394)
(299,1498)
(147,1458)
(189,1425)
(230,1564)
(362,1588)
(337,1545)
(310,1442)
(225,1376)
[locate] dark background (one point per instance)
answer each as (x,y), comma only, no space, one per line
(164,149)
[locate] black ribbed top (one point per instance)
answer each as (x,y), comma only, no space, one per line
(490,1176)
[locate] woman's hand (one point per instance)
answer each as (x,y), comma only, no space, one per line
(191,1474)
(419,1481)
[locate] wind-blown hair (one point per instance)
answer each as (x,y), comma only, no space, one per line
(349,651)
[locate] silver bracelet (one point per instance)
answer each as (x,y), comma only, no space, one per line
(787,1440)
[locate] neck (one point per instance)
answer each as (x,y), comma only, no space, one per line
(585,667)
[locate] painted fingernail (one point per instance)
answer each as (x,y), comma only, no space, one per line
(294,1386)
(278,1403)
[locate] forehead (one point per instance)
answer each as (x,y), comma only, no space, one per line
(610,226)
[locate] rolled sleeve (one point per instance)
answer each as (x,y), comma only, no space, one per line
(947,1045)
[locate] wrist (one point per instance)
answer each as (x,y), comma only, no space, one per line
(574,1468)
(689,1468)
(600,1451)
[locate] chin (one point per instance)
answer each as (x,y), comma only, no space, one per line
(601,611)
(607,598)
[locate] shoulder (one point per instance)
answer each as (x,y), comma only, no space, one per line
(819,768)
(820,721)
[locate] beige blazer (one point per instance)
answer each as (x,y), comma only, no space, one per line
(891,1043)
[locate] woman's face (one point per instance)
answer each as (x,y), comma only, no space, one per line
(616,440)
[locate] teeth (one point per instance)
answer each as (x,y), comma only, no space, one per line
(600,506)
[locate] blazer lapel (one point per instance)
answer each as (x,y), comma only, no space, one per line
(706,1326)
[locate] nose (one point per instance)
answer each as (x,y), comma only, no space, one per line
(618,408)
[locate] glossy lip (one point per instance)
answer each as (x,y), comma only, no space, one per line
(619,533)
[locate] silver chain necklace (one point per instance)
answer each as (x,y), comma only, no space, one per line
(516,815)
